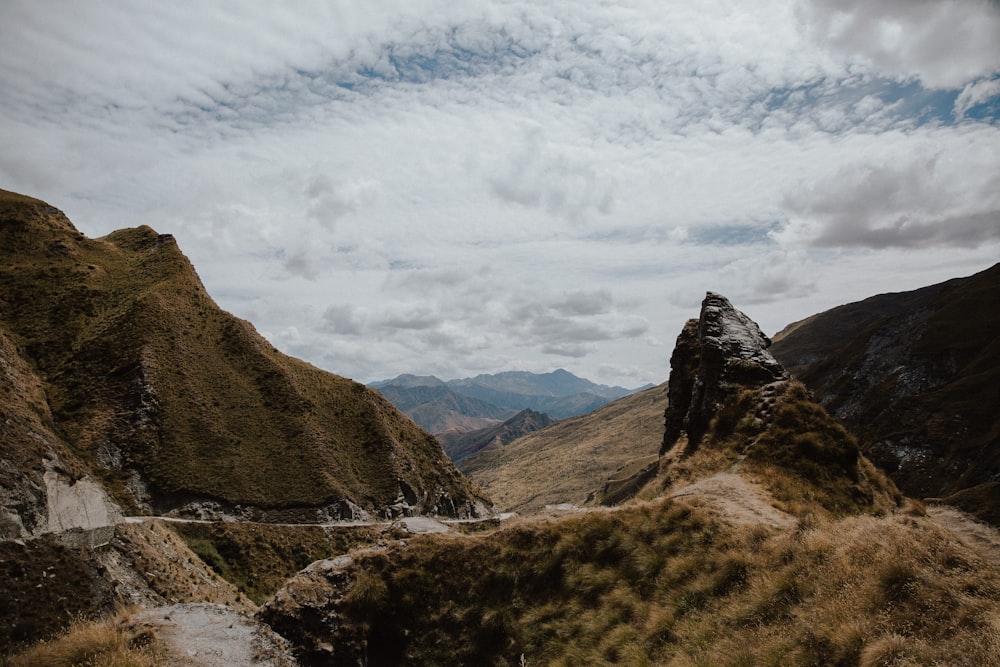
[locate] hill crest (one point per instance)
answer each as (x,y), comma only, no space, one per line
(177,406)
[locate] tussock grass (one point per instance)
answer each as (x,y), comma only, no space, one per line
(665,583)
(111,642)
(790,445)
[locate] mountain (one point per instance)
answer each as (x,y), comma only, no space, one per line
(765,537)
(483,401)
(559,394)
(460,445)
(436,408)
(916,375)
(557,383)
(134,377)
(571,459)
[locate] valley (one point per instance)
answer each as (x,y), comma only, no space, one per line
(175,490)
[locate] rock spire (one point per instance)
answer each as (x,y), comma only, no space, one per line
(716,356)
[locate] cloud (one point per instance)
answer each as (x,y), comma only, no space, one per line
(974,94)
(944,43)
(452,188)
(926,202)
(540,175)
(344,319)
(328,200)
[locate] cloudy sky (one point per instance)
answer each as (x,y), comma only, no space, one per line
(452,188)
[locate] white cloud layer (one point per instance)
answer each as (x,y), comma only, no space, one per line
(455,188)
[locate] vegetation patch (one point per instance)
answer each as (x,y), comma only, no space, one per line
(258,558)
(111,642)
(665,583)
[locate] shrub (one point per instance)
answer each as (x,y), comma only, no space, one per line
(110,642)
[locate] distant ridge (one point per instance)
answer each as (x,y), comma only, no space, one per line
(440,406)
(460,445)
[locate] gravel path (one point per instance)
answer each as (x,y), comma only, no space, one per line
(737,499)
(212,635)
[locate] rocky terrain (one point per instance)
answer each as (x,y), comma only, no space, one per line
(765,537)
(916,375)
(716,357)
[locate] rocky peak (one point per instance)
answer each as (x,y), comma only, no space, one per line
(716,356)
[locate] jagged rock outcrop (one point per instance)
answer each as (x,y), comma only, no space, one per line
(309,611)
(717,355)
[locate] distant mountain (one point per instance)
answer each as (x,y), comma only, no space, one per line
(557,383)
(569,460)
(459,445)
(407,381)
(559,394)
(916,375)
(436,408)
(129,373)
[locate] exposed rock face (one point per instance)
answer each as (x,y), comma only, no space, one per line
(721,353)
(308,611)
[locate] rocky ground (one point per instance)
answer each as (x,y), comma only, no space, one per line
(212,635)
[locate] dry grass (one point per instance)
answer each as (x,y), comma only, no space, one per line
(111,642)
(667,584)
(568,460)
(258,558)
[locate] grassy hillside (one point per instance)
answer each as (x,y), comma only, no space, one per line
(170,399)
(663,583)
(565,462)
(850,574)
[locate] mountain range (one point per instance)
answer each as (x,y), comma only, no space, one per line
(485,400)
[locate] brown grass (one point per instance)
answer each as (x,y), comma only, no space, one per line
(111,642)
(258,558)
(665,583)
(568,460)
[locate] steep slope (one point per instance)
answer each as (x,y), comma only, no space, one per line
(459,445)
(917,376)
(179,406)
(569,460)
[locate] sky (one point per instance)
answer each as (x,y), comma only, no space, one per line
(453,188)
